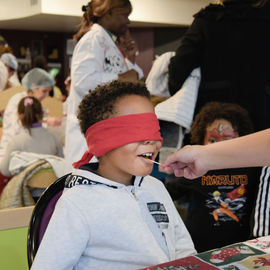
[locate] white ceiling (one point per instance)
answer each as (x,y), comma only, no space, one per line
(43,22)
(64,15)
(58,23)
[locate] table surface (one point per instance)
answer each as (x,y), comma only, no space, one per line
(252,254)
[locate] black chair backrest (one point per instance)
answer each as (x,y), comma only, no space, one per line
(41,215)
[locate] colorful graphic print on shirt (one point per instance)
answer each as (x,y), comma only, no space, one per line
(227,201)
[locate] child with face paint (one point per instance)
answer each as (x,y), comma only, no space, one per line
(112,214)
(221,201)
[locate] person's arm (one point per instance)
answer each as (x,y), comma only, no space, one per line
(193,161)
(187,57)
(128,46)
(129,76)
(136,68)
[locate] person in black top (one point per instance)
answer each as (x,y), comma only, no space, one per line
(230,43)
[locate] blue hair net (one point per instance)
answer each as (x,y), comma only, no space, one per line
(9,60)
(36,78)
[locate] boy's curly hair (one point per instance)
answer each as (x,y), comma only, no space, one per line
(99,104)
(235,114)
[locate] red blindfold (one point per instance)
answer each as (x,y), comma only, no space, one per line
(115,132)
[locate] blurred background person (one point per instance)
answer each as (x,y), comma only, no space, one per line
(38,83)
(12,65)
(34,138)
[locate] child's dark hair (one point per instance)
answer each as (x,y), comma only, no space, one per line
(235,114)
(99,104)
(30,111)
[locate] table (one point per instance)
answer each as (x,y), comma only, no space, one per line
(251,254)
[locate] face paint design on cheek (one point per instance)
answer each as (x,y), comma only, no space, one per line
(220,133)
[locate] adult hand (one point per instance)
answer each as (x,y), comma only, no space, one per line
(129,76)
(185,162)
(128,46)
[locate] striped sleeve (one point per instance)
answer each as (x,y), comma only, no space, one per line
(262,207)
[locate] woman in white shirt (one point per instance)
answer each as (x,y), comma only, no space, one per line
(105,52)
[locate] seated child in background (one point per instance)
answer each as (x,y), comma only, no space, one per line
(112,214)
(34,138)
(220,202)
(37,83)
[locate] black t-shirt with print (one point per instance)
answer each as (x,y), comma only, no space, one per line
(220,205)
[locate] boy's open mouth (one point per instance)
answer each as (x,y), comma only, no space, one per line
(147,155)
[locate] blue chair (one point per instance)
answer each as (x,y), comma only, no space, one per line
(41,216)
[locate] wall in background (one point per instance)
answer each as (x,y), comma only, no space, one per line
(28,44)
(167,39)
(57,47)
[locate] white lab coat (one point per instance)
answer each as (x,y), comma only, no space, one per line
(96,60)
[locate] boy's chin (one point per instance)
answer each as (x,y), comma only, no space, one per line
(143,173)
